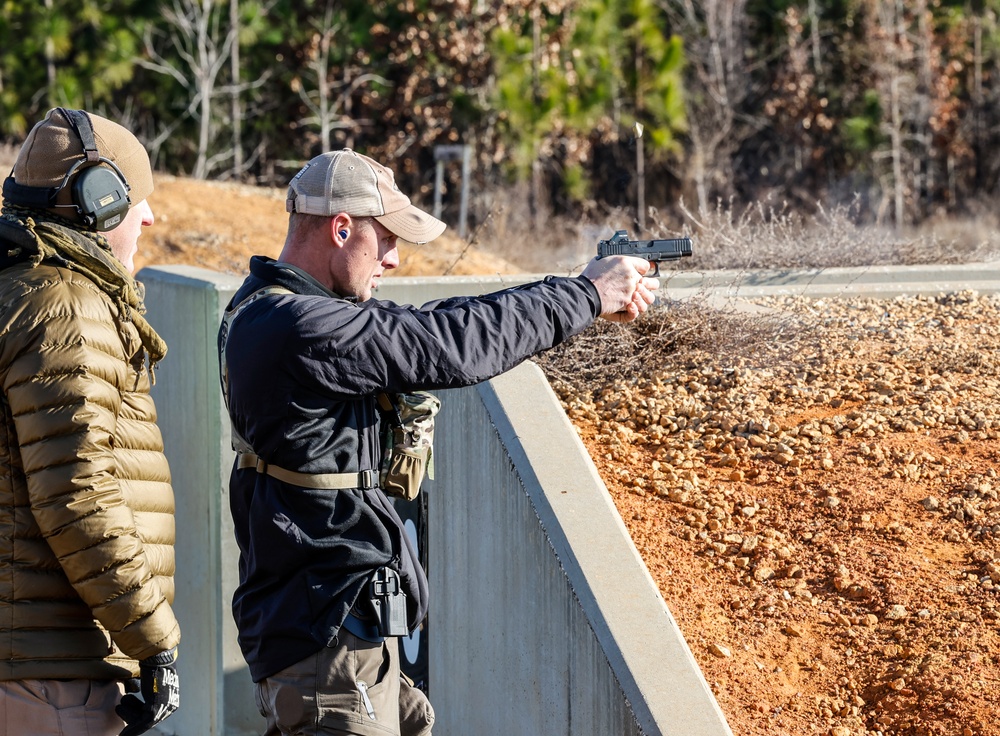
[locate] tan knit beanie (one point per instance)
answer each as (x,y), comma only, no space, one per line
(52,147)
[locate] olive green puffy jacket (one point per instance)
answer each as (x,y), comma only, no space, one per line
(86,505)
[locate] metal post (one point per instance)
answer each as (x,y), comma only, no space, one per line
(463,216)
(640,174)
(438,184)
(453,153)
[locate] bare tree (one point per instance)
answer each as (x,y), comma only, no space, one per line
(715,33)
(906,65)
(329,101)
(922,103)
(892,55)
(235,102)
(50,59)
(978,107)
(817,52)
(202,46)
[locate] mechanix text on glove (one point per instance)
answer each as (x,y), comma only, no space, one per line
(160,690)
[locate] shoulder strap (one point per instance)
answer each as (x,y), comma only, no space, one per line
(239,444)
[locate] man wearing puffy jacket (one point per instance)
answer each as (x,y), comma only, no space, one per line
(328,579)
(86,504)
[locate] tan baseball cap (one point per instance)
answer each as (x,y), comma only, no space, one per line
(53,147)
(349,182)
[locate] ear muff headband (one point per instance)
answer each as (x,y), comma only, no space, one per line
(99,194)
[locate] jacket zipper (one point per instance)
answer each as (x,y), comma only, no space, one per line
(363,689)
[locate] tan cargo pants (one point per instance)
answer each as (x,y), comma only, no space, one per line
(85,707)
(352,688)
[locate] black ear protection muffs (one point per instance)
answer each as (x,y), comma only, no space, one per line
(99,193)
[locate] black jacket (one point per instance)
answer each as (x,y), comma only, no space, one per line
(304,370)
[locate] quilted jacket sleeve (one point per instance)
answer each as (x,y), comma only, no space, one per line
(65,365)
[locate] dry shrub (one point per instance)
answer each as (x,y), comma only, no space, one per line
(671,334)
(769,235)
(974,237)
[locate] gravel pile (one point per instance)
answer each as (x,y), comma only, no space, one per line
(815,490)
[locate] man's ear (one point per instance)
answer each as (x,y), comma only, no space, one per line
(340,228)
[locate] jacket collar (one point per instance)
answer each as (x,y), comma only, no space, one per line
(291,277)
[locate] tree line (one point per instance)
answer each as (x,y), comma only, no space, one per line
(588,104)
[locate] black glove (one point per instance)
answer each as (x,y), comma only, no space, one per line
(161,694)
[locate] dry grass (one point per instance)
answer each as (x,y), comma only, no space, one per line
(770,235)
(761,235)
(672,335)
(8,154)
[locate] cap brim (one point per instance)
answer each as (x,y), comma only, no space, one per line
(413,225)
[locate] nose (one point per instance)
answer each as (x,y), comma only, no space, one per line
(391,257)
(147,214)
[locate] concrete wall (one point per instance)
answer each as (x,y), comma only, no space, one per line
(543,616)
(185,305)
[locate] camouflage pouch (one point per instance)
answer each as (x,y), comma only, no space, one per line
(408,442)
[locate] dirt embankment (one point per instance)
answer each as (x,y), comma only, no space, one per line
(219,226)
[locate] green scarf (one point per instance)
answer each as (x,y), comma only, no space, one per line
(61,243)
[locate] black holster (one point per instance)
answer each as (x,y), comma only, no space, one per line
(383,602)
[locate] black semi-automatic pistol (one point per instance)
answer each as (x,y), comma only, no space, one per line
(653,251)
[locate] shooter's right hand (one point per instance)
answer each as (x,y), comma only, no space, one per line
(624,289)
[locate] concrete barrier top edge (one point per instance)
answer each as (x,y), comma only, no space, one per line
(189,274)
(981,273)
(610,579)
(917,271)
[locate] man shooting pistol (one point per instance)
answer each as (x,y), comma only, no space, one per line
(653,251)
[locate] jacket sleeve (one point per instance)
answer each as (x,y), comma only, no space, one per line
(380,346)
(64,366)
